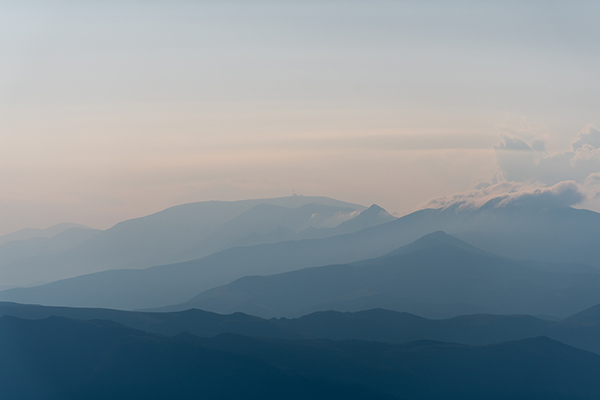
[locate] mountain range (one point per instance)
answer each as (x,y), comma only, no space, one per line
(545,234)
(580,330)
(34,233)
(435,276)
(307,298)
(58,358)
(176,234)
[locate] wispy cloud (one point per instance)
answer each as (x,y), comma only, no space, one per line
(528,162)
(528,176)
(512,194)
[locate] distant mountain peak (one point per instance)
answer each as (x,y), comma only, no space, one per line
(434,239)
(373,215)
(438,237)
(375,211)
(369,217)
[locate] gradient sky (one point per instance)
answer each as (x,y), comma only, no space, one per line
(115,109)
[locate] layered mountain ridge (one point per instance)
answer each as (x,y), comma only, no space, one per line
(179,233)
(435,276)
(58,358)
(370,325)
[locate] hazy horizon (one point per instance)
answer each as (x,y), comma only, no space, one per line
(111,111)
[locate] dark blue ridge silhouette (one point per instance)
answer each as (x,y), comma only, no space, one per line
(370,325)
(58,358)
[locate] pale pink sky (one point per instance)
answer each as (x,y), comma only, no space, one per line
(113,110)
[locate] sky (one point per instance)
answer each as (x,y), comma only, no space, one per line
(112,110)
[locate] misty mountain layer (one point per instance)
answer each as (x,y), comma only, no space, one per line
(556,234)
(176,234)
(436,276)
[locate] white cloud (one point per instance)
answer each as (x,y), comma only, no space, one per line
(589,137)
(516,159)
(563,194)
(528,176)
(524,162)
(511,194)
(512,143)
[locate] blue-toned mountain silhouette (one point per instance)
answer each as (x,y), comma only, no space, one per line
(436,276)
(556,234)
(370,325)
(180,233)
(58,358)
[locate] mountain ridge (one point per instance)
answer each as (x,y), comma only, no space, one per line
(496,231)
(435,274)
(58,358)
(370,325)
(156,239)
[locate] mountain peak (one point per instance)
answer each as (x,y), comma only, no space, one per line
(374,208)
(375,212)
(372,216)
(435,239)
(438,237)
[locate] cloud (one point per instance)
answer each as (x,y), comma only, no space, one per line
(529,177)
(563,194)
(591,138)
(510,194)
(538,145)
(592,186)
(476,198)
(593,180)
(512,143)
(518,161)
